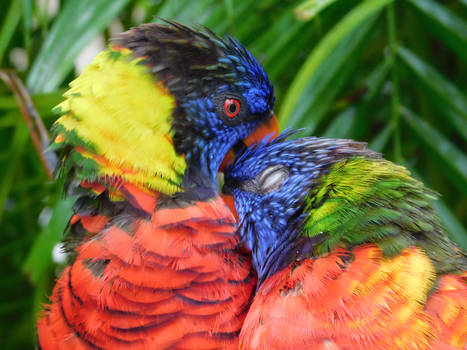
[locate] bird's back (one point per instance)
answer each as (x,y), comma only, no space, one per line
(358,258)
(357,299)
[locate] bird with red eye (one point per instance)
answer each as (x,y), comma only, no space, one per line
(231,107)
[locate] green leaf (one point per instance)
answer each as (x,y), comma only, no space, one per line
(453,161)
(217,18)
(323,86)
(190,12)
(27,20)
(310,8)
(43,102)
(8,102)
(342,125)
(374,82)
(8,120)
(77,24)
(445,24)
(20,138)
(40,256)
(379,141)
(315,85)
(453,227)
(46,102)
(451,224)
(451,102)
(278,44)
(230,9)
(278,36)
(351,120)
(9,25)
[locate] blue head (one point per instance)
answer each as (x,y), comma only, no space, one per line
(270,183)
(222,93)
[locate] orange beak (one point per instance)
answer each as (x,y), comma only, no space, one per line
(269,128)
(229,201)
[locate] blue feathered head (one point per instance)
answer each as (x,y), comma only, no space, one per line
(222,93)
(269,183)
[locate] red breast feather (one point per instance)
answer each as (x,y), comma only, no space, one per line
(171,280)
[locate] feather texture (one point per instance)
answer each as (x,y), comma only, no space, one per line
(349,252)
(357,299)
(119,145)
(143,131)
(171,279)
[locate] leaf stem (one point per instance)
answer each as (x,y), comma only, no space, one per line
(391,22)
(37,130)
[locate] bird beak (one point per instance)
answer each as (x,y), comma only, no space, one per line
(229,201)
(268,129)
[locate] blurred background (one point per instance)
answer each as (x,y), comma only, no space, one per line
(392,73)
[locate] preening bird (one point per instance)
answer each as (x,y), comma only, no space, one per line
(141,136)
(349,252)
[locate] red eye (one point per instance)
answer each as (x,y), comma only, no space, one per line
(231,107)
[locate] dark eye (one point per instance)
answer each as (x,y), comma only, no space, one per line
(231,107)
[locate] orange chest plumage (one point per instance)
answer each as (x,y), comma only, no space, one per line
(169,280)
(358,300)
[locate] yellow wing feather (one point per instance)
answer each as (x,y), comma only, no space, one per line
(124,115)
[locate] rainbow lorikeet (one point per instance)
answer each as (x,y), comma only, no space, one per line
(349,253)
(142,134)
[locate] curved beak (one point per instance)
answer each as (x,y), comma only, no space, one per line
(229,201)
(269,128)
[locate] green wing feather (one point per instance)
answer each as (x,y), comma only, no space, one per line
(362,200)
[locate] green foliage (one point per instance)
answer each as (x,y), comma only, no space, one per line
(388,72)
(66,39)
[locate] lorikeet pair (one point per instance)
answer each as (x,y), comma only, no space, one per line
(142,134)
(345,244)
